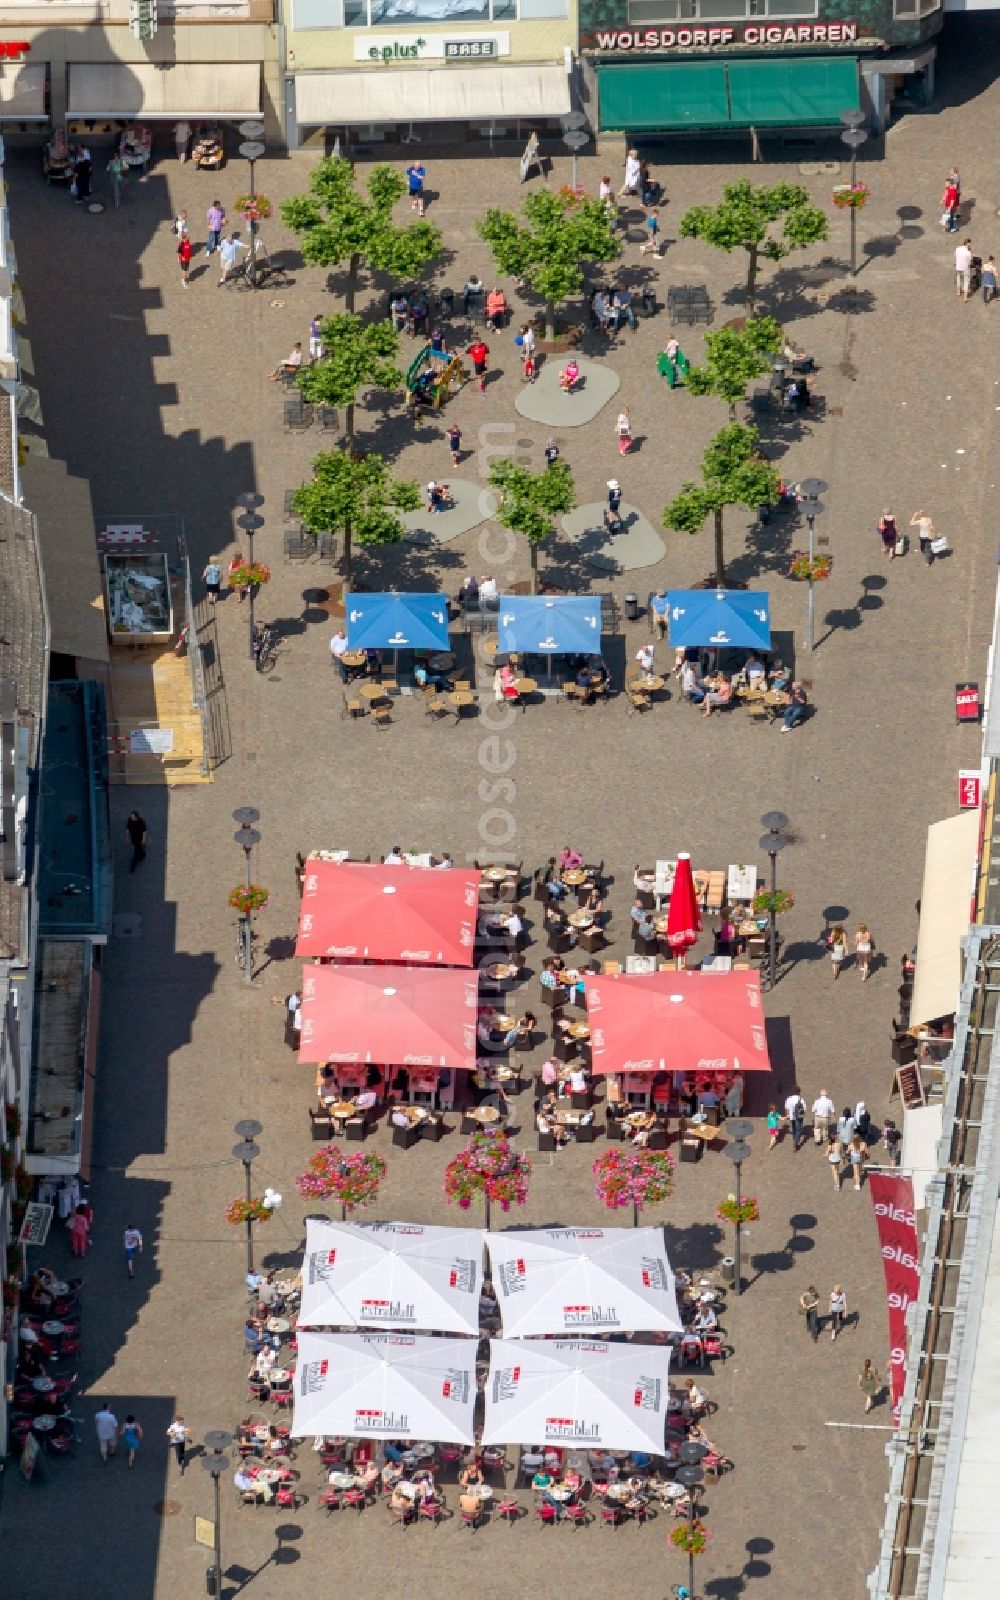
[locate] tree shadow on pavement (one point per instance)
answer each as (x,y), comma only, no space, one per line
(697,1247)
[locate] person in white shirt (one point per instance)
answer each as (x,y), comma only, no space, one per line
(823,1112)
(578,1081)
(399,1119)
(338,650)
(644,656)
(488,589)
(367,1100)
(445,862)
(633,173)
(795,1111)
(513,926)
(178,1434)
(394,858)
(963,269)
(106,1425)
(292,363)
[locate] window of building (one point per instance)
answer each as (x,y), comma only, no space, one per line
(732,10)
(419,13)
(915,8)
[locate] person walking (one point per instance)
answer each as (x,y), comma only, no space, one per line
(455,443)
(989,280)
(416,175)
(623,427)
(838,1309)
(847,1126)
(888,533)
(633,174)
(551,452)
(79,1231)
(926,534)
(857,1156)
(316,351)
(132,1245)
(131,1437)
(229,255)
(823,1113)
(809,1307)
(951,199)
(117,169)
(215,219)
(106,1425)
(180,224)
(479,352)
(795,1111)
(182,138)
(773,1126)
(892,1139)
(212,579)
(869,1383)
(184,257)
(137,834)
(837,946)
(82,174)
(863,950)
(963,269)
(835,1156)
(178,1434)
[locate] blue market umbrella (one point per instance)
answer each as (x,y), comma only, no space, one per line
(397,622)
(719,617)
(549,625)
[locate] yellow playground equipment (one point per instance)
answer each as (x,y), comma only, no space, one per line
(433,376)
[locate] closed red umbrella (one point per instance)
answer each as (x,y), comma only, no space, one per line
(394,1016)
(683,915)
(677,1022)
(376,913)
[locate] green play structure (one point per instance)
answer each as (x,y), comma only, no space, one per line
(432,377)
(673,365)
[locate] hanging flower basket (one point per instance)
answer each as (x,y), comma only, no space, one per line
(245,900)
(239,1211)
(253,207)
(850,197)
(691,1538)
(637,1178)
(250,575)
(489,1168)
(766,902)
(816,567)
(353,1180)
(731,1210)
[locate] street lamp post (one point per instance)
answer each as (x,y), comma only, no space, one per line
(247,1152)
(251,150)
(854,136)
(251,523)
(690,1473)
(574,137)
(772,842)
(216,1463)
(738,1151)
(246,837)
(811,489)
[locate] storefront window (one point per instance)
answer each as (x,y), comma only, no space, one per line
(726,10)
(406,13)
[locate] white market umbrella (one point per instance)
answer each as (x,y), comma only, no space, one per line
(391,1275)
(385,1386)
(577,1392)
(583,1281)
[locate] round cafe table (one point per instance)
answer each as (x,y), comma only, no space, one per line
(491,646)
(560,1491)
(573,877)
(461,697)
(495,874)
(372,691)
(502,1023)
(483,1113)
(279,1375)
(441,662)
(28,1336)
(43,1424)
(482,1491)
(342,1480)
(54,1329)
(277,1324)
(618,1491)
(671,1491)
(641,1119)
(43,1385)
(504,1074)
(498,970)
(651,682)
(59,1290)
(525,686)
(341,1108)
(413,1114)
(353,658)
(579,1030)
(581,919)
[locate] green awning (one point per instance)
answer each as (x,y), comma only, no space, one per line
(793,94)
(652,97)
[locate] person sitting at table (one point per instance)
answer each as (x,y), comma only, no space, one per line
(542,1479)
(707,1099)
(402,1503)
(419,313)
(470,1475)
(253,1339)
(474,290)
(692,687)
(642,920)
(366,1101)
(705,1320)
(243,1482)
(399,311)
(326,1083)
(569,859)
(488,590)
(546,1121)
(795,712)
(593,902)
(339,648)
(506,684)
(554,886)
(264,1360)
(725,938)
(578,1081)
(779,676)
(645,656)
(392,1472)
(468,593)
(693,1399)
(394,858)
(720,693)
(754,671)
(433,680)
(496,308)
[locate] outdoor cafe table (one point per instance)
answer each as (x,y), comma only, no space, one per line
(742,883)
(573,877)
(503,1074)
(499,970)
(43,1385)
(641,1119)
(341,1108)
(268,1475)
(581,919)
(342,1480)
(579,1030)
(650,682)
(460,698)
(43,1424)
(413,1114)
(491,646)
(277,1324)
(54,1329)
(483,1114)
(560,1491)
(621,1492)
(497,874)
(58,1290)
(525,686)
(482,1491)
(353,658)
(567,1118)
(372,691)
(441,662)
(279,1376)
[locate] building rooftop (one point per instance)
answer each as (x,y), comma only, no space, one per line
(74,865)
(23,636)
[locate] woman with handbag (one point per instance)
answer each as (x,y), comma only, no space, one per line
(837,944)
(931,542)
(888,533)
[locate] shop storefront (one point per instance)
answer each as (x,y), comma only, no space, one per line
(207,62)
(426,72)
(713,66)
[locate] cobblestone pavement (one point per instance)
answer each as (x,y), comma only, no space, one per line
(158,394)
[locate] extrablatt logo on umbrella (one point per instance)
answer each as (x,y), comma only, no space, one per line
(312,1377)
(382,1422)
(647,1394)
(590,1316)
(462,1276)
(571,1428)
(387,1311)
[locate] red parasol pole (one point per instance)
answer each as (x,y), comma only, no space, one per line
(683,915)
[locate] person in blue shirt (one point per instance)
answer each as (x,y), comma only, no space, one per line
(660,610)
(415,175)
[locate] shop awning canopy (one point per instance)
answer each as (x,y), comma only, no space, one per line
(536,624)
(22,92)
(442,94)
(395,1016)
(197,91)
(397,622)
(945,914)
(397,1275)
(808,91)
(577,1392)
(589,1281)
(740,618)
(378,913)
(677,1022)
(385,1386)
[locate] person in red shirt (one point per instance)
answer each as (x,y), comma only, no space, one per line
(184,257)
(480,355)
(949,206)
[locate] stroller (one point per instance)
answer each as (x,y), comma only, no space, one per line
(975,274)
(613,521)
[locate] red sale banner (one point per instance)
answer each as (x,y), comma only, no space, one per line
(897,1234)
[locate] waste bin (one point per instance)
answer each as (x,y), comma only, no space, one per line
(632,607)
(212,1582)
(648,302)
(447,302)
(728,1269)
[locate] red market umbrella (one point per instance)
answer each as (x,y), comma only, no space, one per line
(395,1016)
(683,915)
(376,913)
(677,1022)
